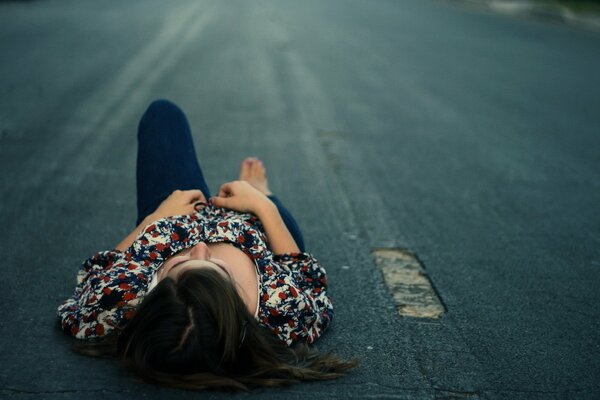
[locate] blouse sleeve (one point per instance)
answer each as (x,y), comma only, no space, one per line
(305,268)
(298,306)
(107,291)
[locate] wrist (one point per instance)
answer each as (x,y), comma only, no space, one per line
(149,219)
(265,209)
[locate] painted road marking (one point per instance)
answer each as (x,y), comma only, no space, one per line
(408,283)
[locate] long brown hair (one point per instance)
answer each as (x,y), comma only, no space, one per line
(196,333)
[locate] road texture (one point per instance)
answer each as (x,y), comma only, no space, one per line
(468,138)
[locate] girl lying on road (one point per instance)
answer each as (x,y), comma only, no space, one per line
(207,292)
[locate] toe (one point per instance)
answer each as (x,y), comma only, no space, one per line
(258,168)
(246,168)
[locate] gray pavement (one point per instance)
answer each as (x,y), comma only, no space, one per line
(469,138)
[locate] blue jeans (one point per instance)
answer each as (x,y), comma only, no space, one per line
(166,161)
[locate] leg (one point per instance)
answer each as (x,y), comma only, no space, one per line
(254,172)
(166,158)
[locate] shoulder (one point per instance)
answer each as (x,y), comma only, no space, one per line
(292,303)
(109,286)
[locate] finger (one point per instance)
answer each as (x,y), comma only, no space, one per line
(220,201)
(226,189)
(192,195)
(202,197)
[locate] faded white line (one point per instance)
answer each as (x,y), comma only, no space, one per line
(408,283)
(108,108)
(143,70)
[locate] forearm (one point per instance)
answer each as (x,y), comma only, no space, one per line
(125,243)
(280,239)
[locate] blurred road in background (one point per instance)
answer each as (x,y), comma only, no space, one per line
(468,138)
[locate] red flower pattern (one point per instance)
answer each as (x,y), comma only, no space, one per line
(293,302)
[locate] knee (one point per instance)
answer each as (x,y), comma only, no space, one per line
(163,107)
(160,110)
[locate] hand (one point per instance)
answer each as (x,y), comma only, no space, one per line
(241,196)
(180,202)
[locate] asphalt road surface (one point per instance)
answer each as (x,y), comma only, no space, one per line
(468,138)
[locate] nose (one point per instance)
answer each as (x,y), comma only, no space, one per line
(200,252)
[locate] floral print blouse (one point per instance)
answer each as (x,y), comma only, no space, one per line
(292,302)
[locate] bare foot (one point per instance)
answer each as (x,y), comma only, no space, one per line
(253,171)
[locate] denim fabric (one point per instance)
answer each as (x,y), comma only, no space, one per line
(167,161)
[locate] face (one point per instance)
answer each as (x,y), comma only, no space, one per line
(196,257)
